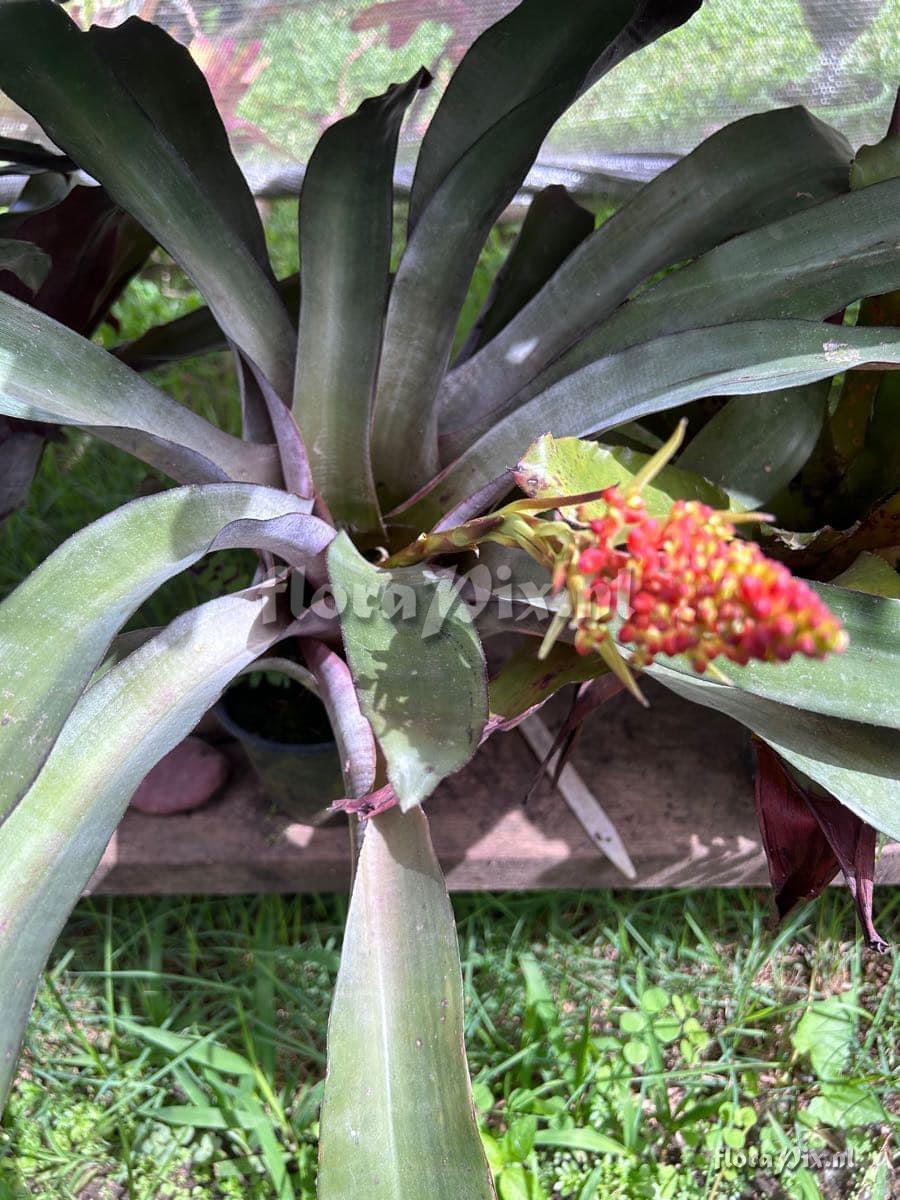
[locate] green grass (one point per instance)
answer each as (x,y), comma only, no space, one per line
(177,1046)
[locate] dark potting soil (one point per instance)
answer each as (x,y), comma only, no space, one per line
(282,713)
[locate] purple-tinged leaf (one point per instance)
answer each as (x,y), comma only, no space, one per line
(193,334)
(94,247)
(352,732)
(808,835)
(753,171)
(56,626)
(121,727)
(511,88)
(21,446)
(100,393)
(24,265)
(853,843)
(260,398)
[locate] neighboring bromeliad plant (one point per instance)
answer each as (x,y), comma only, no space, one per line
(379,473)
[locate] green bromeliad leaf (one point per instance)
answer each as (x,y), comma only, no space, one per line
(834,720)
(870,573)
(755,170)
(510,89)
(858,764)
(808,265)
(858,685)
(104,395)
(346,227)
(160,150)
(554,226)
(417,664)
(755,445)
(27,262)
(570,466)
(743,357)
(195,333)
(123,725)
(524,680)
(56,626)
(397,1114)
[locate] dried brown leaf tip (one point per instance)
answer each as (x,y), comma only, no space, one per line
(808,836)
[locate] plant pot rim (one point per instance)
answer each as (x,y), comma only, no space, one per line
(300,749)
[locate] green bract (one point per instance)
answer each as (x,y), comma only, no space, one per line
(368,436)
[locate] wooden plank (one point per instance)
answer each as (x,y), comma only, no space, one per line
(677,782)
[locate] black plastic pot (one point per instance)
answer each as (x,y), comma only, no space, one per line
(285,733)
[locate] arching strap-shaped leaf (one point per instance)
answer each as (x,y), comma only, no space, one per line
(513,85)
(742,357)
(29,263)
(48,373)
(196,333)
(755,170)
(346,228)
(397,1114)
(56,626)
(809,265)
(17,152)
(134,715)
(755,445)
(554,226)
(132,108)
(526,54)
(858,764)
(417,665)
(870,573)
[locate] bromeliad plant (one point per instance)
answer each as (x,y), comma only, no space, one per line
(378,472)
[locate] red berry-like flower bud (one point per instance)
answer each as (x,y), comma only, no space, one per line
(690,586)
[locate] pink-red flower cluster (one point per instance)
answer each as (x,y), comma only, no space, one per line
(688,585)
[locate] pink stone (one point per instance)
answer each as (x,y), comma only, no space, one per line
(185,779)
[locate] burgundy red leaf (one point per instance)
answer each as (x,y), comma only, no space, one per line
(808,837)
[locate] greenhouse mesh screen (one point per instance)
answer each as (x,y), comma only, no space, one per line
(282,70)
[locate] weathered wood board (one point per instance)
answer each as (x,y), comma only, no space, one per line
(676,780)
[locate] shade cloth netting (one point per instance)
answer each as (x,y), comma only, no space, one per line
(282,70)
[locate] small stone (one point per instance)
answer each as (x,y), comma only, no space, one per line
(185,779)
